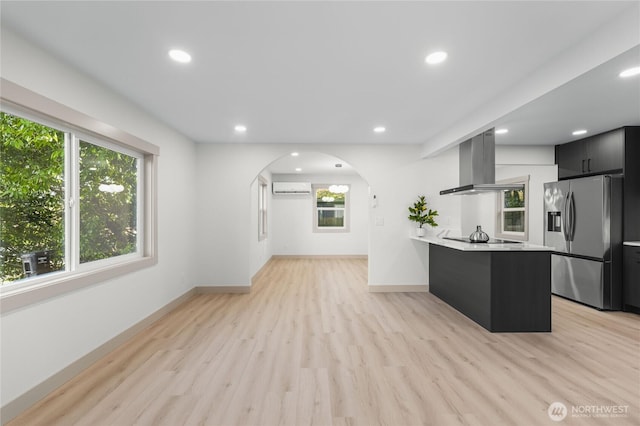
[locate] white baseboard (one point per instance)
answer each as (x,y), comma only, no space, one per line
(261,270)
(223,289)
(35,394)
(320,256)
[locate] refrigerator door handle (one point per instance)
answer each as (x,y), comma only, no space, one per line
(572,216)
(565,218)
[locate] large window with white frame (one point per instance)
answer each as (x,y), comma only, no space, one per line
(66,199)
(331,208)
(512,219)
(77,204)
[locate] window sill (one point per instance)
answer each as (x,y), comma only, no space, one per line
(24,295)
(330,231)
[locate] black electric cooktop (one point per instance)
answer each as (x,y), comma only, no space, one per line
(491,241)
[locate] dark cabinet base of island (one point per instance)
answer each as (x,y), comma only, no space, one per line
(503,291)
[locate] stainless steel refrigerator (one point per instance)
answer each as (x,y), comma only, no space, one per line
(583,224)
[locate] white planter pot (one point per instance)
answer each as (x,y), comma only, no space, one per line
(420,232)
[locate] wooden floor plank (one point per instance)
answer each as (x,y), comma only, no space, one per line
(311,345)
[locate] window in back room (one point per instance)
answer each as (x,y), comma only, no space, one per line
(331,208)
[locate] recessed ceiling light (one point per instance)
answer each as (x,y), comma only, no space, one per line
(298,169)
(436,58)
(579,132)
(294,154)
(240,128)
(180,56)
(630,72)
(379,129)
(502,131)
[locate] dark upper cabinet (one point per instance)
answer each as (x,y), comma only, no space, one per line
(617,151)
(603,153)
(570,159)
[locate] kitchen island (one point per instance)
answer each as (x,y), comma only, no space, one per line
(502,287)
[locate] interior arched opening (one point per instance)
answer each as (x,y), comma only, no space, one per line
(308,204)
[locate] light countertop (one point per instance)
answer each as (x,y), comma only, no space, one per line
(632,243)
(458,245)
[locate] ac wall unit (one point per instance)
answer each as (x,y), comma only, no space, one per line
(289,188)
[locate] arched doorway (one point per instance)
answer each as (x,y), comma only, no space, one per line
(328,215)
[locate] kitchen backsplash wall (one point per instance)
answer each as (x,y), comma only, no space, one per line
(481,209)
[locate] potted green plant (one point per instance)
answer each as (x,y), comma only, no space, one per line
(420,214)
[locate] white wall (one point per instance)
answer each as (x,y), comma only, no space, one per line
(511,155)
(293,220)
(207,220)
(537,162)
(39,340)
(393,258)
(394,173)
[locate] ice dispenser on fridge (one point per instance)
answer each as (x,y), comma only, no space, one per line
(554,222)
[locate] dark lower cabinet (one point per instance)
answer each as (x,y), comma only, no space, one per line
(631,228)
(503,291)
(631,279)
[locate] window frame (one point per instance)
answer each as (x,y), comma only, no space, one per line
(17,100)
(263,211)
(501,210)
(346,209)
(75,191)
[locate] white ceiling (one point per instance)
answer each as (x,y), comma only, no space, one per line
(310,163)
(328,72)
(597,101)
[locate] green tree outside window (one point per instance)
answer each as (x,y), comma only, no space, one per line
(32,198)
(31,194)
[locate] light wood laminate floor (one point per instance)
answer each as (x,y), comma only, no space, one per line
(310,345)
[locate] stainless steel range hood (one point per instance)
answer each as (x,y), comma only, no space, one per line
(478,167)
